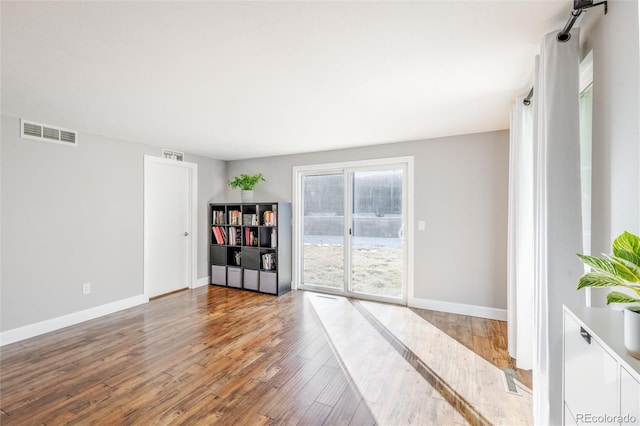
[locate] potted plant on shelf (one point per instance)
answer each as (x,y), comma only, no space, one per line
(620,269)
(246,183)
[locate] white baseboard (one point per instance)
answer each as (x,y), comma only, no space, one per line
(459,308)
(32,330)
(201,282)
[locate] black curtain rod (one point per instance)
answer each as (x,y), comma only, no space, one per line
(527,100)
(578,7)
(563,36)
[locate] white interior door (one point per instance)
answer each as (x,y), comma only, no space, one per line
(168,225)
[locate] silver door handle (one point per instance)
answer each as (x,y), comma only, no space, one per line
(186,234)
(401,233)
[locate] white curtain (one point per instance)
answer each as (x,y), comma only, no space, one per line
(545,208)
(520,244)
(557,215)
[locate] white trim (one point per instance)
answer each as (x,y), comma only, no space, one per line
(346,167)
(586,71)
(459,308)
(295,228)
(350,164)
(586,80)
(347,214)
(32,330)
(410,233)
(201,282)
(193,184)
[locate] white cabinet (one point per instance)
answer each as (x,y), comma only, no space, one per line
(601,380)
(588,366)
(629,395)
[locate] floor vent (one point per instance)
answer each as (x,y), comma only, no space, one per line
(510,381)
(47,133)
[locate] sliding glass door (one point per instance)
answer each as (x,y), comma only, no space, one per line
(323,230)
(377,232)
(351,223)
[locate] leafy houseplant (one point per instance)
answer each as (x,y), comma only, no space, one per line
(246,183)
(620,269)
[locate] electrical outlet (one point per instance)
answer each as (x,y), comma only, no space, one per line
(421,225)
(86,288)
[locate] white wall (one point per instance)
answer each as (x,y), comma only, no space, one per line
(461,193)
(74,215)
(616,141)
(211,185)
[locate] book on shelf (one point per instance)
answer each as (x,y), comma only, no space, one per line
(269,261)
(219,234)
(218,217)
(234,236)
(235,217)
(250,219)
(269,218)
(250,237)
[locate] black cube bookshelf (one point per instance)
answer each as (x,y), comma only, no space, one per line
(250,246)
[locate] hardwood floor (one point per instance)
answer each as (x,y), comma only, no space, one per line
(215,355)
(487,338)
(394,390)
(200,356)
(479,390)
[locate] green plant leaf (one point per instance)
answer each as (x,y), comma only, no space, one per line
(627,247)
(601,265)
(618,297)
(625,269)
(245,182)
(636,290)
(599,279)
(629,257)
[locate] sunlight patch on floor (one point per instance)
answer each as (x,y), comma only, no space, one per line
(394,391)
(477,381)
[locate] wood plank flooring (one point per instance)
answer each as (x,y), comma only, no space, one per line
(203,356)
(196,357)
(395,392)
(487,338)
(474,386)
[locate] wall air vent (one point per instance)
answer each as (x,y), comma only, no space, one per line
(47,133)
(172,155)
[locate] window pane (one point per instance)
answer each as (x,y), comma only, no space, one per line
(323,230)
(586,112)
(376,243)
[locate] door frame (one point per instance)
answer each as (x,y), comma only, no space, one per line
(328,168)
(193,205)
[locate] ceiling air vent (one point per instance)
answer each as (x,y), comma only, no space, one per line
(47,133)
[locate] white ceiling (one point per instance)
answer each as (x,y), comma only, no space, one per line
(234,80)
